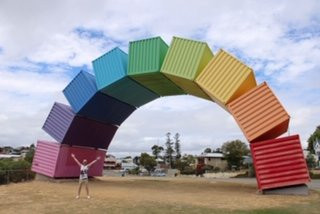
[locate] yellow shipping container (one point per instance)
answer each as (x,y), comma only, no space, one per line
(225,78)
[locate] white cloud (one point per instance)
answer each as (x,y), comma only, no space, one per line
(70,48)
(26,99)
(203,125)
(33,32)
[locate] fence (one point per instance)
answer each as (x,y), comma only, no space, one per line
(19,175)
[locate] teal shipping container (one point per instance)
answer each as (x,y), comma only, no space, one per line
(111,76)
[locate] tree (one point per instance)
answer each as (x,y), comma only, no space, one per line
(169,149)
(207,150)
(156,150)
(218,150)
(234,151)
(311,161)
(136,160)
(177,145)
(148,162)
(184,164)
(312,140)
(189,159)
(30,154)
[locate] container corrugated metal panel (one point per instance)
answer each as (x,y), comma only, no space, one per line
(225,78)
(184,62)
(145,60)
(54,160)
(85,132)
(79,91)
(279,163)
(259,114)
(110,67)
(67,167)
(131,92)
(58,121)
(45,158)
(111,76)
(76,130)
(87,101)
(106,109)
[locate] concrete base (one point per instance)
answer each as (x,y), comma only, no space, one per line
(291,190)
(40,177)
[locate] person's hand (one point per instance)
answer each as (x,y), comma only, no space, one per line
(98,158)
(72,155)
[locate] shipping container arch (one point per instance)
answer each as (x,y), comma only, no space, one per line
(122,83)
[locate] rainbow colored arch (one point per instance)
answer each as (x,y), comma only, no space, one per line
(122,83)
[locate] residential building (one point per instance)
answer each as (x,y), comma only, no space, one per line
(110,162)
(216,160)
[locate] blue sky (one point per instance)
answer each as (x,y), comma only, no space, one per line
(43,44)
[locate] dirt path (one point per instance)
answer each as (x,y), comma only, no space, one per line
(120,194)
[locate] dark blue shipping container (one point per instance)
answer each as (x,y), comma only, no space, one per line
(88,102)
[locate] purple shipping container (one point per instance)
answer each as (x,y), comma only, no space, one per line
(54,160)
(67,128)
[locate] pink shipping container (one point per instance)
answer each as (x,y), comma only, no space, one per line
(279,163)
(54,160)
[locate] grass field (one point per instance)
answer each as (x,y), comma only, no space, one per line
(149,195)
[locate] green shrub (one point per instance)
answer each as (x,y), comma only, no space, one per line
(313,175)
(134,171)
(188,170)
(15,171)
(217,169)
(311,161)
(251,171)
(211,169)
(208,168)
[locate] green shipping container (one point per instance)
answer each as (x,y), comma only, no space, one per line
(145,60)
(111,77)
(184,62)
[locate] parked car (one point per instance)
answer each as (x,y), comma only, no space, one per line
(124,172)
(158,173)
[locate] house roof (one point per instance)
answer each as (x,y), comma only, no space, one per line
(9,156)
(211,155)
(110,159)
(159,160)
(128,165)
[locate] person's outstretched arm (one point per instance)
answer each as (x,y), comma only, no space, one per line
(75,159)
(98,158)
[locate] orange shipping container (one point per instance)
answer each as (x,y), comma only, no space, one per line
(259,114)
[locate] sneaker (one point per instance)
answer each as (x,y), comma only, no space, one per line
(77,197)
(88,197)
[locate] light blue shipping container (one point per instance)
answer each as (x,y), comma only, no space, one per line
(111,76)
(110,67)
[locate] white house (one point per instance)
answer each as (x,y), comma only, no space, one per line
(214,159)
(9,156)
(128,166)
(110,162)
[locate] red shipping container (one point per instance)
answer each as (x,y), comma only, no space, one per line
(279,162)
(54,160)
